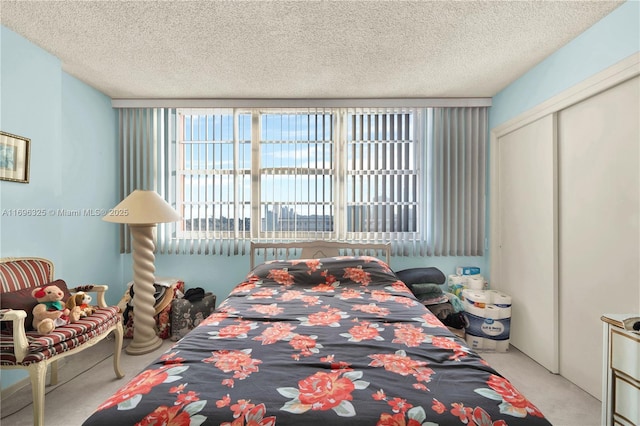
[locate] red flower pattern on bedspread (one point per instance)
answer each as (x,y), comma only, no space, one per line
(310,300)
(140,385)
(372,309)
(382,296)
(400,363)
(239,362)
(266,293)
(430,320)
(400,286)
(329,317)
(325,288)
(328,277)
(307,345)
(447,343)
(246,413)
(238,330)
(325,391)
(267,310)
(130,395)
(364,331)
(312,264)
(247,285)
(277,345)
(290,295)
(281,276)
(357,275)
(253,417)
(163,415)
(350,293)
(215,318)
(513,400)
(409,335)
(275,333)
(182,413)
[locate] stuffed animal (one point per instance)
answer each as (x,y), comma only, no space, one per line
(81,300)
(51,311)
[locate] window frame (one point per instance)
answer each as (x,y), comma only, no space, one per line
(339,141)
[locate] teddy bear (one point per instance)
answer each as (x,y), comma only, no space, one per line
(51,312)
(81,300)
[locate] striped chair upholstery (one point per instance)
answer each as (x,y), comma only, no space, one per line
(25,273)
(61,339)
(20,349)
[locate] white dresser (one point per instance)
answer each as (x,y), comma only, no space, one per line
(621,372)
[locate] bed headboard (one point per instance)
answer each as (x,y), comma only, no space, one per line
(318,249)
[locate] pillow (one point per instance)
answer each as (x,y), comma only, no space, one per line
(421,275)
(428,289)
(312,272)
(22,299)
(428,293)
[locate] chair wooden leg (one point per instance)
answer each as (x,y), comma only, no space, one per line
(38,374)
(54,373)
(118,334)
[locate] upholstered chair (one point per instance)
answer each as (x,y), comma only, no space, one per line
(21,347)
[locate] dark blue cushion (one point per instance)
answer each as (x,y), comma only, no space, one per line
(421,275)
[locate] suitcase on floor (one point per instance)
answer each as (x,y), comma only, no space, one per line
(186,315)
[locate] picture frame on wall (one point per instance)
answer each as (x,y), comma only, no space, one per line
(14,157)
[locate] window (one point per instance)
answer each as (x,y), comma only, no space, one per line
(213,173)
(412,177)
(382,171)
(312,173)
(297,173)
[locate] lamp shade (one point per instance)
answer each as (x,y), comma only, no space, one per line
(142,208)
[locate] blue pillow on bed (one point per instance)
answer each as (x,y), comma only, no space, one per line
(421,275)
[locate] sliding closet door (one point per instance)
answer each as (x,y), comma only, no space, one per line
(599,237)
(525,224)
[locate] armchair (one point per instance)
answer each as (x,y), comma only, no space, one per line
(23,348)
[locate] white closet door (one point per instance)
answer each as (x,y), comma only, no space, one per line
(599,237)
(526,264)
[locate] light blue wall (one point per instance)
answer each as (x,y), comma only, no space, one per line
(89,170)
(612,39)
(73,155)
(30,100)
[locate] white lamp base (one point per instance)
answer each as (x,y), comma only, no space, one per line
(141,348)
(145,339)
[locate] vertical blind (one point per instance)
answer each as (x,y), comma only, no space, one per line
(411,177)
(146,161)
(382,176)
(457,206)
(213,180)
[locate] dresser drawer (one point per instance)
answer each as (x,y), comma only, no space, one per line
(626,409)
(625,354)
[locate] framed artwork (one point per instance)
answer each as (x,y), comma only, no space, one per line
(14,158)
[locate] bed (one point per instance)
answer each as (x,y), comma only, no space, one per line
(335,340)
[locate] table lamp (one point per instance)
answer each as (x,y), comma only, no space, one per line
(142,210)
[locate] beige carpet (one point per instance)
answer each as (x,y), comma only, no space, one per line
(87,379)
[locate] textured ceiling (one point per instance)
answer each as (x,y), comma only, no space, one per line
(300,49)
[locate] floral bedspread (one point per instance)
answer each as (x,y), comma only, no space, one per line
(336,341)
